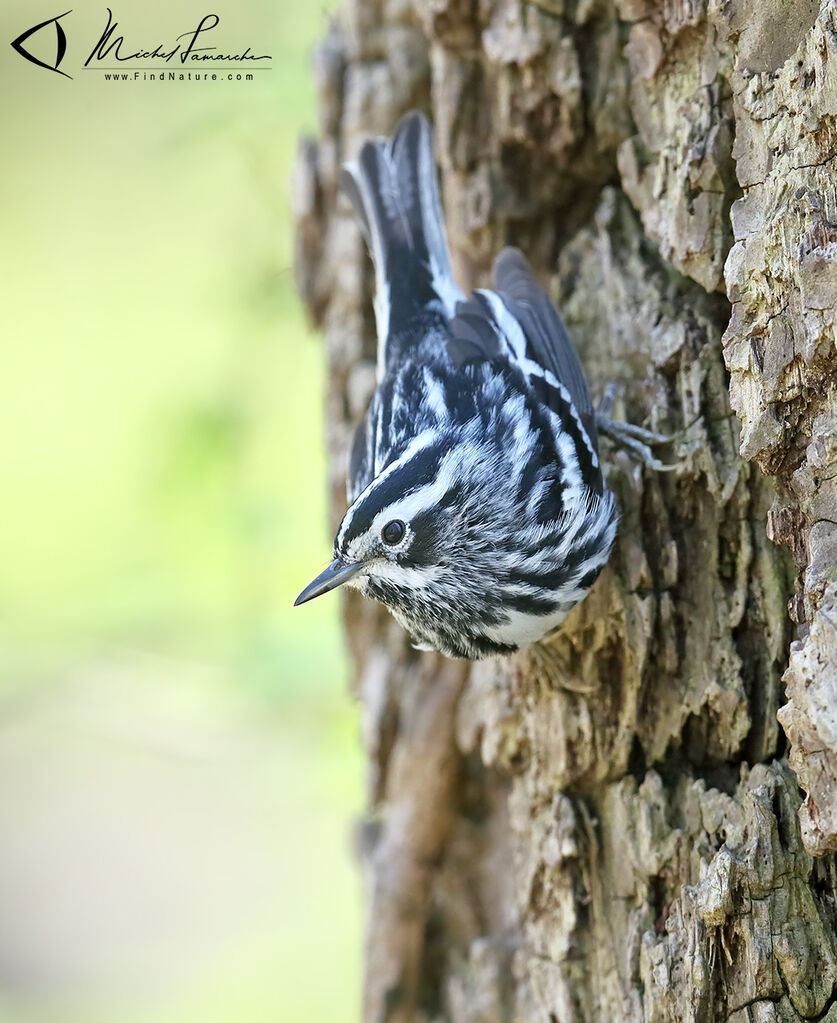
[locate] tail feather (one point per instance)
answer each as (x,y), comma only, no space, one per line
(392,186)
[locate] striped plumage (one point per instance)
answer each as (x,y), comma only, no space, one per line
(479,449)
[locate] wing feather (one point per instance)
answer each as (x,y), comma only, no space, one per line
(547,339)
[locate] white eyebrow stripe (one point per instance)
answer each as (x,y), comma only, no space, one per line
(425,497)
(418,443)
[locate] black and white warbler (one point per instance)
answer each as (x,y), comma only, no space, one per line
(477,510)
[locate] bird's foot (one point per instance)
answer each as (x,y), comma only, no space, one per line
(635,439)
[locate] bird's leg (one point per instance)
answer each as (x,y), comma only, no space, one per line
(608,398)
(633,438)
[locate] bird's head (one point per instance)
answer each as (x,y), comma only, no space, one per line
(470,541)
(420,537)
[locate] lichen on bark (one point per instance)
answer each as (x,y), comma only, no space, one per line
(611,830)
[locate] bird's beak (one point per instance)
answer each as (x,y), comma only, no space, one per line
(337,573)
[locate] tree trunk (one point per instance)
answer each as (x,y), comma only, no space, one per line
(611,832)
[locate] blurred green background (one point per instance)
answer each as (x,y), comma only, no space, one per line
(179,761)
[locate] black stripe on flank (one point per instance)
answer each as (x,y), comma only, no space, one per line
(482,645)
(587,580)
(551,503)
(592,549)
(556,578)
(529,478)
(544,465)
(553,579)
(528,603)
(553,398)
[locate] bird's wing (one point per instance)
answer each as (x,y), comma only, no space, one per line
(547,340)
(518,323)
(475,335)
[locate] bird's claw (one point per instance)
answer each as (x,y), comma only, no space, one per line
(634,438)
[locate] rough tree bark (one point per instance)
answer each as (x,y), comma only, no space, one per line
(616,833)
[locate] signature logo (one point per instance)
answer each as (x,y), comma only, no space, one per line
(60,47)
(113,46)
(190,48)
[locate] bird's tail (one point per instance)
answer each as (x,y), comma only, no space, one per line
(392,186)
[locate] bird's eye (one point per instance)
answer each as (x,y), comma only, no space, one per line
(393,532)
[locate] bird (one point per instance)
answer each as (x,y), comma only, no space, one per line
(478,513)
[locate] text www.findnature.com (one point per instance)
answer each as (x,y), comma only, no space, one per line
(177,76)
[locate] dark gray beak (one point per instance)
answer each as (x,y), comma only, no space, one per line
(337,573)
